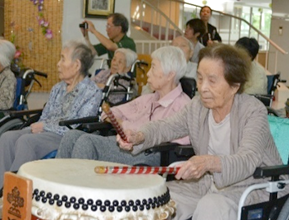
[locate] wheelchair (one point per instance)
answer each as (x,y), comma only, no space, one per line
(25,81)
(273,80)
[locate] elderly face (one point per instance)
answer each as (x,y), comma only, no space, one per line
(156,77)
(205,14)
(118,64)
(67,69)
(184,45)
(112,30)
(214,90)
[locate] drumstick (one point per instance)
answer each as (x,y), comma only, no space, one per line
(113,121)
(135,170)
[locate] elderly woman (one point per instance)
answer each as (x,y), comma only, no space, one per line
(188,48)
(7,77)
(74,97)
(121,63)
(168,66)
(229,133)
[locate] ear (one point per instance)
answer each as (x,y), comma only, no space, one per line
(236,87)
(197,34)
(77,65)
(171,76)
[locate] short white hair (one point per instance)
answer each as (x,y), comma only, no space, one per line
(172,59)
(7,52)
(130,56)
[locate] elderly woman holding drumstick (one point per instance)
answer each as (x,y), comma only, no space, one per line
(229,133)
(168,67)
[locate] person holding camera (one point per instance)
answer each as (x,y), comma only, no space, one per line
(116,28)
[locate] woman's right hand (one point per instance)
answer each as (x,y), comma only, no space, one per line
(133,138)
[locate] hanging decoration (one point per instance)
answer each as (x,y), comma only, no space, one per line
(41,20)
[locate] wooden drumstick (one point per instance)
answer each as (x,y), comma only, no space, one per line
(113,121)
(135,170)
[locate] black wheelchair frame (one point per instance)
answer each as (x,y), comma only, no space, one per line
(25,81)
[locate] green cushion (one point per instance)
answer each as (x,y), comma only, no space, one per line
(280,131)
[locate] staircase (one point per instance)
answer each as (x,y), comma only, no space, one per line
(163,20)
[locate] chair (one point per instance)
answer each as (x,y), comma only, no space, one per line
(141,73)
(25,80)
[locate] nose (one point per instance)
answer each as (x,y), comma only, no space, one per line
(203,85)
(149,73)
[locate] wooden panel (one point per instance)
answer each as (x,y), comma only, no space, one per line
(17,197)
(23,29)
(141,74)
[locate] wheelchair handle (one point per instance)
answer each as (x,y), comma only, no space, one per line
(37,81)
(40,74)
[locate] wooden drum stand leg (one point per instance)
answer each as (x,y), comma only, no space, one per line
(17,197)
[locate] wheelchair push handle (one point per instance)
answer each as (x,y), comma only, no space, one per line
(113,121)
(38,73)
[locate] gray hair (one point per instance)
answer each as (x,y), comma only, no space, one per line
(172,59)
(81,52)
(130,56)
(191,45)
(7,52)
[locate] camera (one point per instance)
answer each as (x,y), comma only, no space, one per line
(83,25)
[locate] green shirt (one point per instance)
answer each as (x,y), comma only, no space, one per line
(125,42)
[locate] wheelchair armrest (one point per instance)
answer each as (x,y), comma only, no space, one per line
(98,126)
(271,171)
(79,121)
(171,152)
(180,150)
(24,112)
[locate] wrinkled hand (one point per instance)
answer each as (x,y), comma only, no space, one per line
(133,138)
(37,127)
(197,166)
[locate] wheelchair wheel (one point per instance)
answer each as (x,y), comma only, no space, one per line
(13,124)
(284,214)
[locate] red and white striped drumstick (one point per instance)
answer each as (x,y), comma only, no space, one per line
(113,121)
(135,170)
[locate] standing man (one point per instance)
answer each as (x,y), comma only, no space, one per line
(116,28)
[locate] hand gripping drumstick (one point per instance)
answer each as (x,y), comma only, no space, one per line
(135,170)
(113,121)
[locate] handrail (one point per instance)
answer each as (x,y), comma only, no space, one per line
(241,19)
(176,28)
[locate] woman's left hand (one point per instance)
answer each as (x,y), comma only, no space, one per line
(37,127)
(197,166)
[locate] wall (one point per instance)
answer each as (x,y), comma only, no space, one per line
(73,16)
(1,18)
(280,8)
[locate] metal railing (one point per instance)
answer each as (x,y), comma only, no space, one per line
(156,21)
